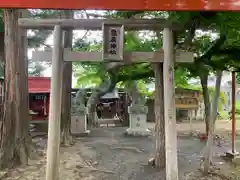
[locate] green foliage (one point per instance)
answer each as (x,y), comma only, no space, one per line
(133,42)
(88,74)
(238,107)
(44,14)
(35,69)
(1,21)
(208,57)
(38,37)
(1,69)
(212,52)
(238,77)
(35,39)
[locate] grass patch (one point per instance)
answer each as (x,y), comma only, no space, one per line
(224,115)
(238,108)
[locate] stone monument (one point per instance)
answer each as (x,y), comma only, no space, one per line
(78,114)
(137,113)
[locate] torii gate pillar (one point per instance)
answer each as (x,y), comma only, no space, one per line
(169,106)
(52,168)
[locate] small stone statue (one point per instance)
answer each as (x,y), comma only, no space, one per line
(78,117)
(73,106)
(80,97)
(78,103)
(136,97)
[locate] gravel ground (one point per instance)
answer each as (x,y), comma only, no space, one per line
(127,156)
(109,155)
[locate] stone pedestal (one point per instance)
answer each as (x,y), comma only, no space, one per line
(138,121)
(79,122)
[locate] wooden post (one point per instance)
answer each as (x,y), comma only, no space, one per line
(233,112)
(190,122)
(169,106)
(52,168)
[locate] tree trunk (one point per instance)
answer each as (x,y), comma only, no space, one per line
(160,156)
(207,104)
(66,137)
(15,139)
(208,150)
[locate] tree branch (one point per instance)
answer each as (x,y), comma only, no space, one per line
(108,84)
(136,76)
(214,49)
(191,25)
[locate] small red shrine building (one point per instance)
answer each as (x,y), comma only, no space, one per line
(39,84)
(39,98)
(39,95)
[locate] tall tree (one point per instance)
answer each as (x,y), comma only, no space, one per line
(15,139)
(160,156)
(208,150)
(66,138)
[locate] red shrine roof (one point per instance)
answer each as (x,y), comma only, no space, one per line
(39,84)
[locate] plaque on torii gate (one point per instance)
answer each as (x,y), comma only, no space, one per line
(113,41)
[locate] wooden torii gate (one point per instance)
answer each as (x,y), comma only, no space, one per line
(113,52)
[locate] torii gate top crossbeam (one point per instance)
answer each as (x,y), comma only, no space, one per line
(96,24)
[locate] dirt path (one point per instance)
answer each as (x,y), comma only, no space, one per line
(127,156)
(109,155)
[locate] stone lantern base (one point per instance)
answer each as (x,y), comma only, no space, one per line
(79,122)
(138,121)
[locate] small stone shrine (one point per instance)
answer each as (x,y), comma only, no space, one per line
(137,114)
(107,109)
(78,117)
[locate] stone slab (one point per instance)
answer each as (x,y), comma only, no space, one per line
(86,133)
(138,132)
